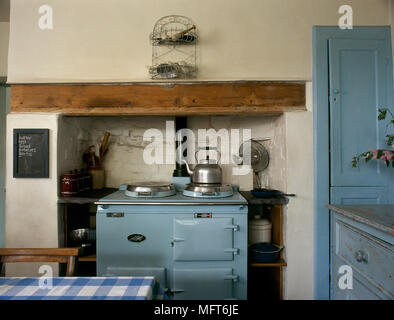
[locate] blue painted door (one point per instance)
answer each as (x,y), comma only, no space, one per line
(360,83)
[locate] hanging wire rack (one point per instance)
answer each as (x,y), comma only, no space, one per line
(174,39)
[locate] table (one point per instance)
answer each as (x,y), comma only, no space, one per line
(380,217)
(80,288)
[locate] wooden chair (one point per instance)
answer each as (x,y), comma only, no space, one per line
(61,255)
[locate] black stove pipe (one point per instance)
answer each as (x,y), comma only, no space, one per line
(180,168)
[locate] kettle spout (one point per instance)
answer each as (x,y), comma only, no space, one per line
(189,171)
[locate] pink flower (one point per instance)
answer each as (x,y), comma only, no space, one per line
(389,155)
(374,152)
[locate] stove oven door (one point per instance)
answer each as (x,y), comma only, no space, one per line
(131,244)
(202,239)
(203,284)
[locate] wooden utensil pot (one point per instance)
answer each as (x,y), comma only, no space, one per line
(98,177)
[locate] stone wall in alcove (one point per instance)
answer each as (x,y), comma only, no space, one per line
(124,162)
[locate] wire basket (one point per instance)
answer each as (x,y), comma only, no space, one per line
(171,70)
(173,42)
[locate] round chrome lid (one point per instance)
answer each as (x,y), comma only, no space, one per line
(209,190)
(150,189)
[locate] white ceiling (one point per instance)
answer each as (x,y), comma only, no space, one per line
(4,10)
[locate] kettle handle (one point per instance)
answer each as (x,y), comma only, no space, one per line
(208,148)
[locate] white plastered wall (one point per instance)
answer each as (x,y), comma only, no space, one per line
(100,40)
(298,231)
(31,208)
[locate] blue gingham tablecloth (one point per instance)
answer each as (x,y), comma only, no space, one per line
(81,288)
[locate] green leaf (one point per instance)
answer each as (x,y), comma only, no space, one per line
(379,154)
(382,114)
(369,156)
(390,139)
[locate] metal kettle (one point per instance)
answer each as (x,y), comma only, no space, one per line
(205,171)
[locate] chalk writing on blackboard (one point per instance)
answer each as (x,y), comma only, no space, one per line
(25,148)
(30,153)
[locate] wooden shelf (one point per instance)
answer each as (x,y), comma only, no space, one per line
(87,197)
(170,98)
(268,275)
(280,263)
(90,258)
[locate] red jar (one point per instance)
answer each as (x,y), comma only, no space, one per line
(69,185)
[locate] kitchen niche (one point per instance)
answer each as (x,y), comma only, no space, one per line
(124,162)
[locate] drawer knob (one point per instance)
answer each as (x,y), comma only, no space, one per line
(361,256)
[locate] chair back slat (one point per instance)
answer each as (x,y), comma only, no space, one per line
(39,251)
(60,255)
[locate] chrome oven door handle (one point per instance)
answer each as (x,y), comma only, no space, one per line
(232,226)
(235,251)
(232,277)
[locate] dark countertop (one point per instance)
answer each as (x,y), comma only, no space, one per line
(92,196)
(263,201)
(87,197)
(380,217)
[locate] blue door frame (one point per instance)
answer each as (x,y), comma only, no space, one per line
(321,111)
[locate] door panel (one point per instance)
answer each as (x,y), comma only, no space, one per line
(203,284)
(134,240)
(358,195)
(203,239)
(358,71)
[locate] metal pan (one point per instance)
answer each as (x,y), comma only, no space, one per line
(270,193)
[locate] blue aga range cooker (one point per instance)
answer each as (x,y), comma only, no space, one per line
(195,245)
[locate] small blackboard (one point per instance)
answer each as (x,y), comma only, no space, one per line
(31,153)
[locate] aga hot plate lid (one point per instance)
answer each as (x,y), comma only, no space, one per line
(150,189)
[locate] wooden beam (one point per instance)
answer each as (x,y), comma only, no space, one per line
(199,98)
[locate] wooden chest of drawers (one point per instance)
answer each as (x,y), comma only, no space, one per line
(362,256)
